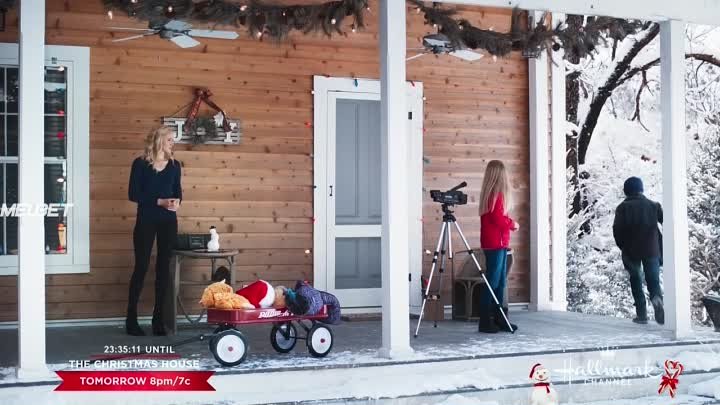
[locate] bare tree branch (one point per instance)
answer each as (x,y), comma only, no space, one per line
(643,85)
(703,57)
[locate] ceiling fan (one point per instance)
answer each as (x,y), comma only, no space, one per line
(179,32)
(439,43)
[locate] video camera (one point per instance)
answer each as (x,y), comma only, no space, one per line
(450,197)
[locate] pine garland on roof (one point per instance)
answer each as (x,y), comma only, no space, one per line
(577,39)
(259,18)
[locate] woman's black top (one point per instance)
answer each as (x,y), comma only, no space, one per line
(147,185)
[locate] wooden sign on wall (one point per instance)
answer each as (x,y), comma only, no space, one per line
(221,137)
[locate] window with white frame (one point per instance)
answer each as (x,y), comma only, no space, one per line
(66,168)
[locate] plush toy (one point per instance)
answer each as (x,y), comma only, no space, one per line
(280,297)
(260,293)
(230,300)
(306,300)
(221,296)
(542,393)
(214,243)
(208,297)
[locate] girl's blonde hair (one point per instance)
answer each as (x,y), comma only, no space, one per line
(154,144)
(495,181)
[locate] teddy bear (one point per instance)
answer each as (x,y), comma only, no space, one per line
(220,295)
(208,297)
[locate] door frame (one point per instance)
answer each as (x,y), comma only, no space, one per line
(323,86)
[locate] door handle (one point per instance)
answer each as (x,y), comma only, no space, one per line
(331,191)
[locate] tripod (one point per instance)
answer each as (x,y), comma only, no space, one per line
(445,239)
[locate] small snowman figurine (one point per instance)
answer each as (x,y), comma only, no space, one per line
(214,244)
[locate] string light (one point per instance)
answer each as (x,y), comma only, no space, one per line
(353,28)
(243,7)
(133,1)
(417,10)
(333,21)
(61,68)
(259,34)
(110,14)
(307,251)
(170,9)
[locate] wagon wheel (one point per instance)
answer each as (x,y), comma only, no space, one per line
(319,340)
(229,347)
(283,337)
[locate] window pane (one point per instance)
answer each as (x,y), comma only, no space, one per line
(55,192)
(12,135)
(2,90)
(55,90)
(2,133)
(13,94)
(10,194)
(55,136)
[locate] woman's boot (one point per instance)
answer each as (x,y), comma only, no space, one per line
(500,321)
(132,327)
(486,324)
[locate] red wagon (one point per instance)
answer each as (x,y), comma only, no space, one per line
(229,346)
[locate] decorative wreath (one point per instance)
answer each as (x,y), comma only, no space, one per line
(202,129)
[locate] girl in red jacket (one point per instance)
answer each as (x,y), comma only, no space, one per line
(495,227)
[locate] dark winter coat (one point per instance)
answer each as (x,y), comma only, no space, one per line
(315,300)
(636,227)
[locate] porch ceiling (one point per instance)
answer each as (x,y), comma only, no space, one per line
(691,11)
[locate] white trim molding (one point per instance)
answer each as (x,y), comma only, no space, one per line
(76,61)
(539,183)
(705,12)
(558,180)
(676,274)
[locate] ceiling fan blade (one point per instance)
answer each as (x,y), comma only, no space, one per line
(131,37)
(184,41)
(213,34)
(177,25)
(415,57)
(128,29)
(467,55)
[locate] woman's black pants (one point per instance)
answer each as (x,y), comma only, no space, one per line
(144,236)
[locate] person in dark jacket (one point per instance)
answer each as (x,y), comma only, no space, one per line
(637,235)
(155,186)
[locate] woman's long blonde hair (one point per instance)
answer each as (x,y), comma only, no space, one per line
(495,181)
(154,144)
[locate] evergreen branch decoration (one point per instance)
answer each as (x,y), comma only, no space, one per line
(578,40)
(260,19)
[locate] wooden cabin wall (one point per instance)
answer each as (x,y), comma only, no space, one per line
(259,193)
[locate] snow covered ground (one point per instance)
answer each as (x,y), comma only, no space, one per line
(657,400)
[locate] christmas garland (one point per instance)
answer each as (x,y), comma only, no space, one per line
(260,19)
(578,40)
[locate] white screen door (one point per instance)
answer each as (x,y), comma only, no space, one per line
(348,197)
(354,205)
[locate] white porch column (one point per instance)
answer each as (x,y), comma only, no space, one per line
(676,273)
(539,183)
(395,243)
(558,217)
(31,230)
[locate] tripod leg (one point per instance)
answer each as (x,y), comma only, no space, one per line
(482,273)
(432,271)
(443,256)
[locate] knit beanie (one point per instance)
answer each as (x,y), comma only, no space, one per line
(633,186)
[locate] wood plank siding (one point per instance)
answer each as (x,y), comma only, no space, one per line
(259,193)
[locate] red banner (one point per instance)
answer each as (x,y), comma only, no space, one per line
(135,381)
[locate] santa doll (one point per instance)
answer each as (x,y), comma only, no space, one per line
(260,293)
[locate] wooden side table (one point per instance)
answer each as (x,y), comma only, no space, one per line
(173,296)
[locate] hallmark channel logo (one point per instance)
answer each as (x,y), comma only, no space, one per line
(35,210)
(599,373)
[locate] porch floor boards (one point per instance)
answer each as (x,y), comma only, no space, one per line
(356,342)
